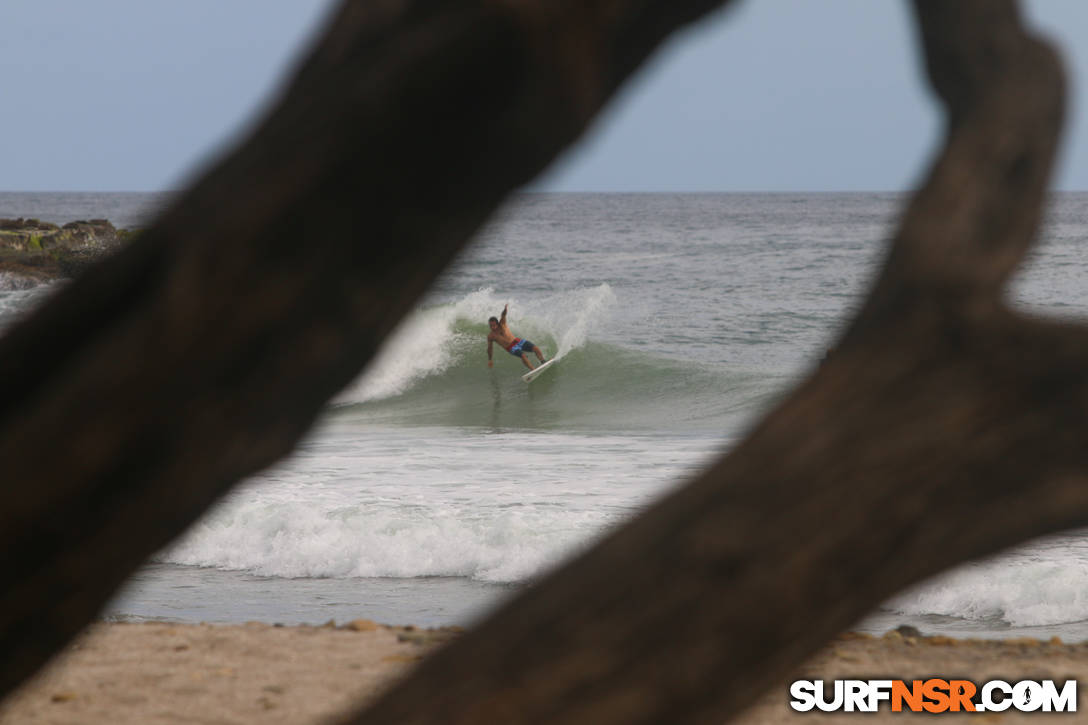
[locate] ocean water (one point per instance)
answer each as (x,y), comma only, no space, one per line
(434,486)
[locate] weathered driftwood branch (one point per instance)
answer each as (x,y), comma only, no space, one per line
(192,360)
(943,427)
(147,388)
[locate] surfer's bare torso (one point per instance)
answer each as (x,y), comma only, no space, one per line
(500,333)
(516,346)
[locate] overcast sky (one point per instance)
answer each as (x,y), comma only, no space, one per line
(771,95)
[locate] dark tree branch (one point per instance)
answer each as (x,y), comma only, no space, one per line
(202,353)
(943,427)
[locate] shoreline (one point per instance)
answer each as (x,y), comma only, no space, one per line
(160,672)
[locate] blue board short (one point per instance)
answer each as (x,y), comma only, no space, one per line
(520,347)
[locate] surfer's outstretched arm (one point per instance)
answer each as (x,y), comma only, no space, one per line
(502,318)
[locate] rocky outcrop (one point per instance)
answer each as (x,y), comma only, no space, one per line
(43,251)
(24,235)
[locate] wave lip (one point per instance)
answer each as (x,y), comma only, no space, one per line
(434,372)
(432,340)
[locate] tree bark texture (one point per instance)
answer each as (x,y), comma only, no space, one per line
(942,427)
(142,392)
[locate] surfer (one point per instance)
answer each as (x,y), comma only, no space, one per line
(516,346)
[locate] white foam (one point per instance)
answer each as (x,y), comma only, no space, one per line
(287,537)
(19,295)
(490,507)
(1045,583)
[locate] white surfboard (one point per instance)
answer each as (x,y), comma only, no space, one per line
(532,374)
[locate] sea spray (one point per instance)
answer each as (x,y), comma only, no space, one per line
(432,339)
(569,318)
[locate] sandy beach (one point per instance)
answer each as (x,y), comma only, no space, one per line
(149,673)
(153,673)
